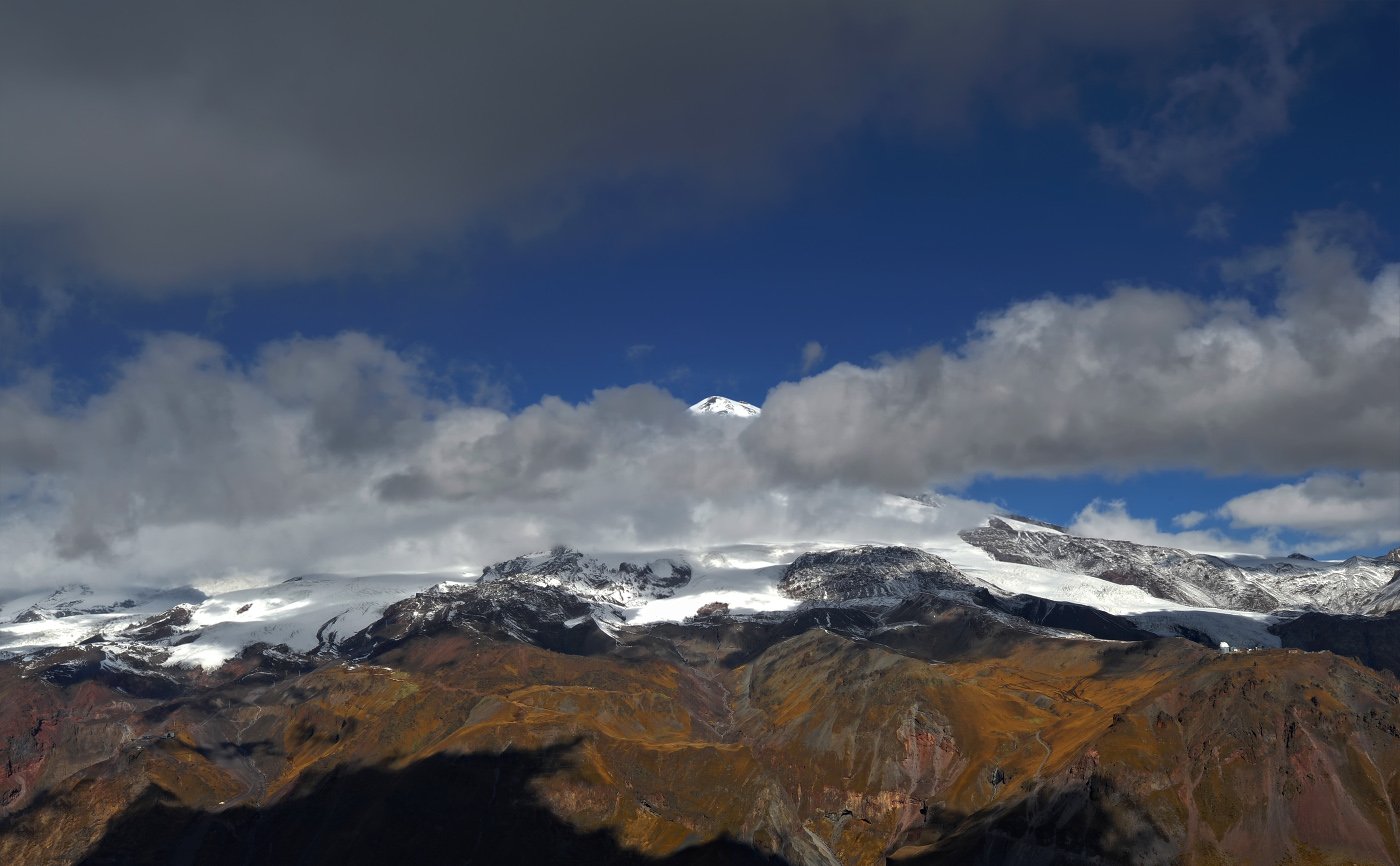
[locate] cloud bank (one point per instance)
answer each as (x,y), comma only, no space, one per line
(347,454)
(336,455)
(1140,379)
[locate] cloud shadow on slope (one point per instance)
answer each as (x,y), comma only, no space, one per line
(1092,822)
(446,809)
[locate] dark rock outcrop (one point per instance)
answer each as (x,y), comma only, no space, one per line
(1371,640)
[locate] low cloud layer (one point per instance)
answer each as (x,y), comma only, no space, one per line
(340,455)
(347,454)
(177,149)
(1111,519)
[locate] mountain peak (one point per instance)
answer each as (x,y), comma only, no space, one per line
(725,406)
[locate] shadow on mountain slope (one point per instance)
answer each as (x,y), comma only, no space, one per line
(457,809)
(1372,640)
(1089,823)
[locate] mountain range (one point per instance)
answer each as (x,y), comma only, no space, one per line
(1003,692)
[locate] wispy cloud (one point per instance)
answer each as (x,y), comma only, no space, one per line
(1211,118)
(1212,223)
(29,313)
(1189,519)
(812,355)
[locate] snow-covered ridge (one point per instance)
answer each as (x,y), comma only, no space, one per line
(869,572)
(1008,564)
(1388,599)
(76,599)
(184,628)
(618,582)
(1167,573)
(1243,583)
(725,406)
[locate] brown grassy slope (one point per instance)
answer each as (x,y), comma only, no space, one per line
(820,749)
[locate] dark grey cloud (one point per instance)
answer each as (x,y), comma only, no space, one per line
(359,396)
(170,148)
(184,435)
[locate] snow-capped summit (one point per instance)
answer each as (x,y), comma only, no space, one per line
(725,406)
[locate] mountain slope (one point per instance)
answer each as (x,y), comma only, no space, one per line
(1387,598)
(945,736)
(315,614)
(1242,583)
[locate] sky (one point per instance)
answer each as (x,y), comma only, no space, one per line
(344,287)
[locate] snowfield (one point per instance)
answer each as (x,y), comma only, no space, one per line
(186,627)
(1157,615)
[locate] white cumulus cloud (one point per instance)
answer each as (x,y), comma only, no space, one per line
(1137,379)
(1111,519)
(1189,519)
(347,454)
(1359,510)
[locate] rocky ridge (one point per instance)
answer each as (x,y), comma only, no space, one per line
(1251,584)
(622,583)
(870,572)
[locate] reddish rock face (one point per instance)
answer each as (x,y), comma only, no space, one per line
(959,742)
(714,608)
